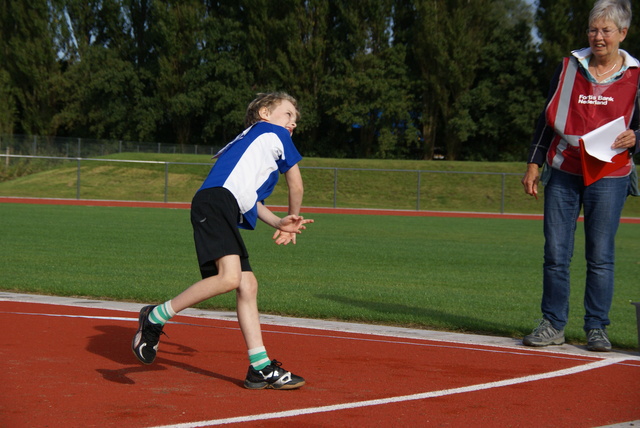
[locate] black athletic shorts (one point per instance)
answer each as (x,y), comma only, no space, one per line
(214,216)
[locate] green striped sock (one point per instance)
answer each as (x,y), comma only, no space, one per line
(162,313)
(258,358)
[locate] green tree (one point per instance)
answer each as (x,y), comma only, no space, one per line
(302,65)
(368,91)
(28,56)
(102,88)
(286,49)
(230,80)
(632,43)
(183,75)
(446,42)
(497,115)
(101,95)
(371,76)
(561,25)
(8,105)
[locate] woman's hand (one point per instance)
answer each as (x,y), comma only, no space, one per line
(531,179)
(626,140)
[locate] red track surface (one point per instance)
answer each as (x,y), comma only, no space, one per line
(185,205)
(318,210)
(77,370)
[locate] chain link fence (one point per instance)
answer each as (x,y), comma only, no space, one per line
(34,145)
(162,181)
(72,168)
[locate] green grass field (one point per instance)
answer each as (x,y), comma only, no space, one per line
(465,275)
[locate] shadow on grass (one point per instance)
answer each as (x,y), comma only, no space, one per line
(429,317)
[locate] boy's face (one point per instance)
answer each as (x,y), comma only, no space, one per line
(284,114)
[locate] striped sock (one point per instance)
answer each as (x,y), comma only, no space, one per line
(258,358)
(162,313)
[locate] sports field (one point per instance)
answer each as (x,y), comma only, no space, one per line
(444,275)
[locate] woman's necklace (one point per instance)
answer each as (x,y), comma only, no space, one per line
(606,72)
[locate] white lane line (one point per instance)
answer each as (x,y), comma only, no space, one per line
(92,317)
(399,399)
(429,342)
(502,344)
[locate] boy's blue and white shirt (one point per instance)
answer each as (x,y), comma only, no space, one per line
(250,165)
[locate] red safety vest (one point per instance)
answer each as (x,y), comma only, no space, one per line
(579,106)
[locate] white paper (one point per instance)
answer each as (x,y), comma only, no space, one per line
(598,142)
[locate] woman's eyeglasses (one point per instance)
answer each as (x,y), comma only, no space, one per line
(606,32)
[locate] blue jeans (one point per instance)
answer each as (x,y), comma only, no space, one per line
(602,202)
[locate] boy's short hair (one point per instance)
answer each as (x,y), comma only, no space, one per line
(269,100)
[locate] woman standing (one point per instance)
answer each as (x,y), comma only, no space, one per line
(592,87)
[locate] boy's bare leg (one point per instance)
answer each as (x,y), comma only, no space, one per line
(247,308)
(228,278)
(272,376)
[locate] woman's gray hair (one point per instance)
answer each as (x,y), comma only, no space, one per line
(618,11)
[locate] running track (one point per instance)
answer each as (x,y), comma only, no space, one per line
(68,363)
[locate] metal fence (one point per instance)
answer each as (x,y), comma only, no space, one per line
(324,186)
(35,145)
(75,171)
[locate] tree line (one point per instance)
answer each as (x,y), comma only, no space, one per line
(403,79)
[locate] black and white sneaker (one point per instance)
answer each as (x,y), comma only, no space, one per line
(272,377)
(145,342)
